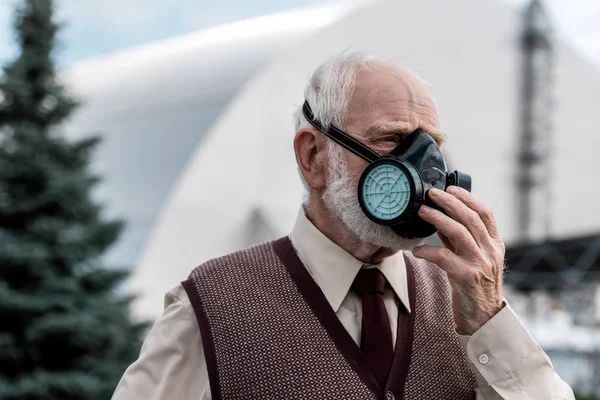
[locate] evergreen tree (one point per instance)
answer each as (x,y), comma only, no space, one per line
(64,332)
(581,396)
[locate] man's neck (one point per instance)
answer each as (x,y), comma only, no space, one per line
(338,232)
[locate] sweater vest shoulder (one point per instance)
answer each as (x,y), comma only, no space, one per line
(269,333)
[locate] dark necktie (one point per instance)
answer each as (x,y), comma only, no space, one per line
(376,337)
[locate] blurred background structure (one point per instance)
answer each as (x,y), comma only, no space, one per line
(66,332)
(197,151)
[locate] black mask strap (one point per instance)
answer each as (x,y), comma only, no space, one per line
(340,137)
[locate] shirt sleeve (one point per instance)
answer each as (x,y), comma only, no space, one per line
(509,364)
(171,364)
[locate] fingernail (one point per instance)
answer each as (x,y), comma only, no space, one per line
(452,189)
(424,209)
(434,192)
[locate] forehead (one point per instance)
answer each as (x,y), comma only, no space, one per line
(387,98)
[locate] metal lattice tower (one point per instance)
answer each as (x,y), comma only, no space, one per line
(536,111)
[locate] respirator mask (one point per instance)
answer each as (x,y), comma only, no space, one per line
(393,186)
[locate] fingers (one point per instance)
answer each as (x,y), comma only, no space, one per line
(485,213)
(473,257)
(457,233)
(463,214)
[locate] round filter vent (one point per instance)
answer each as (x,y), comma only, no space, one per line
(386,191)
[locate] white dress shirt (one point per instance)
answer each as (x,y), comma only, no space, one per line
(506,360)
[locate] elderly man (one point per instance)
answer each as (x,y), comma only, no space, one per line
(352,305)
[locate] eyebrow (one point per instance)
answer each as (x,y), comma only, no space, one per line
(403,128)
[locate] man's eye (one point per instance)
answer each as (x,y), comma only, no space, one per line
(391,139)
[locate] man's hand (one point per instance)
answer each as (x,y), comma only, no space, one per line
(473,256)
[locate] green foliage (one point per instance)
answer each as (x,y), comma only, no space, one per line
(65,333)
(581,396)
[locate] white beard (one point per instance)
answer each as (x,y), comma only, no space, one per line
(341,199)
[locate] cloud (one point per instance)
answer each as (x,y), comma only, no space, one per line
(119,15)
(6,38)
(575,22)
(96,27)
(143,17)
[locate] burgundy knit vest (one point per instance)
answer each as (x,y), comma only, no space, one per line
(269,333)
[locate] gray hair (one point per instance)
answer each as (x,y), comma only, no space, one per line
(330,87)
(328,92)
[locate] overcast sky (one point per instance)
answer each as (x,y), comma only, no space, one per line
(96,27)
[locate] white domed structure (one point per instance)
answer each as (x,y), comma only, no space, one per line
(240,185)
(154,104)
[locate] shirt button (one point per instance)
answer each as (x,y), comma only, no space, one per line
(389,395)
(484,359)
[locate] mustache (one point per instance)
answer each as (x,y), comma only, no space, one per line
(341,199)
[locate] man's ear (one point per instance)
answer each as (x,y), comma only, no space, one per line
(309,146)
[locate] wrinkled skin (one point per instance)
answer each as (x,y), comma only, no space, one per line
(386,104)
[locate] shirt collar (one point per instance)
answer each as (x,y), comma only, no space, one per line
(334,269)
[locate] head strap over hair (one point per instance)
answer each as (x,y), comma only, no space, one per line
(341,137)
